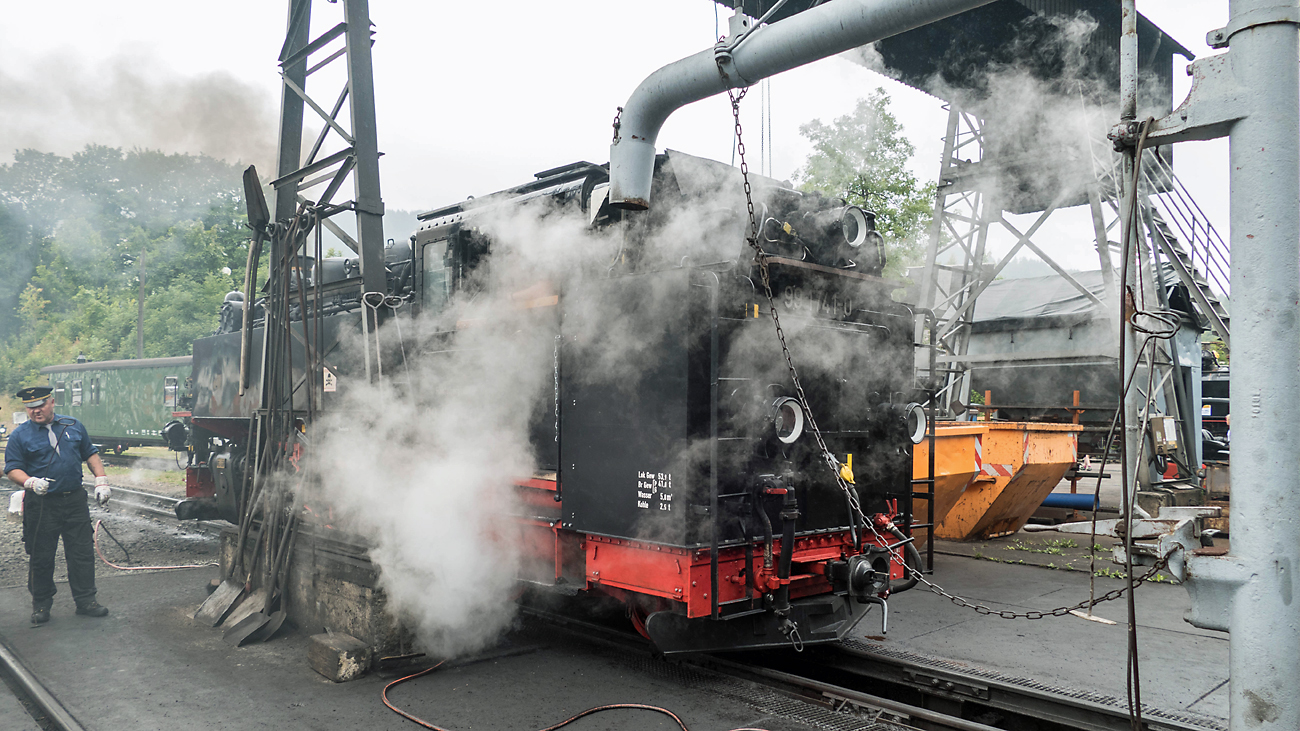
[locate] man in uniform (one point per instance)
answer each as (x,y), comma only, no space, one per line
(44,455)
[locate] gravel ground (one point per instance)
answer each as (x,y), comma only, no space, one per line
(152,469)
(150,541)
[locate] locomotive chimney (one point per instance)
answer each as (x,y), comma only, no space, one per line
(814,34)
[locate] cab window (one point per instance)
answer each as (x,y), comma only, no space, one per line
(169,391)
(60,394)
(76,393)
(437,279)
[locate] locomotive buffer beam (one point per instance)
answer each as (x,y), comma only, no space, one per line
(821,619)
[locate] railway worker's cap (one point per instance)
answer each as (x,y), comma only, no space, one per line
(35,396)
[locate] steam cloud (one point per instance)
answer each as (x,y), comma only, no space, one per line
(423,467)
(61,105)
(425,472)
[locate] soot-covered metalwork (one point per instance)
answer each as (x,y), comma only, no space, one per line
(678,470)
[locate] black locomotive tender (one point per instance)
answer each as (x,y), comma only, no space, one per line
(694,491)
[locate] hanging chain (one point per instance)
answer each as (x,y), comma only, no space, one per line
(761,258)
(1059,611)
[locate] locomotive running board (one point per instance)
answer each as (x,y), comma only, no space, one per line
(820,620)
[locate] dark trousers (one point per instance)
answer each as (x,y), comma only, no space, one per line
(45,519)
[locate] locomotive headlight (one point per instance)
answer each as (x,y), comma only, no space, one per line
(854,226)
(176,434)
(788,419)
(914,415)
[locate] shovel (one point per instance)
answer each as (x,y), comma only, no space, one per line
(214,609)
(249,618)
(217,607)
(277,618)
(253,625)
(219,603)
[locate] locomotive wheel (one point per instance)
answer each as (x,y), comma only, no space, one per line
(638,616)
(640,609)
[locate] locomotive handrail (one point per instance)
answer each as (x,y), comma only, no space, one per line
(714,293)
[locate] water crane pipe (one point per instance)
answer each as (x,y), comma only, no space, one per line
(814,34)
(1252,94)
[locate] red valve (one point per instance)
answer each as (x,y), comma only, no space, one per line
(886,520)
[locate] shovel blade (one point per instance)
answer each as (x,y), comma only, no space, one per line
(254,603)
(269,629)
(218,604)
(239,633)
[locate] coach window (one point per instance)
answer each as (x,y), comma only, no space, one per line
(94,391)
(76,393)
(60,398)
(169,392)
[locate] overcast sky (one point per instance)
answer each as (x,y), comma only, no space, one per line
(472,97)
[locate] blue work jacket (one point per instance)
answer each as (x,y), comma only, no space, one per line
(29,450)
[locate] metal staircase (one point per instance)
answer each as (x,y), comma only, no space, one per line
(1203,263)
(1175,223)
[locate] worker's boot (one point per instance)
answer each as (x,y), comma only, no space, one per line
(91,608)
(40,615)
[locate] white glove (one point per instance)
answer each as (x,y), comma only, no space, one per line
(102,491)
(38,485)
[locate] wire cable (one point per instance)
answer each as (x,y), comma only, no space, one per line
(100,552)
(1131,231)
(590,711)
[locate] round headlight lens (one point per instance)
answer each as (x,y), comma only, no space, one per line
(788,419)
(914,414)
(853,225)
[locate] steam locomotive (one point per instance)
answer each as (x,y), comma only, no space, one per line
(681,470)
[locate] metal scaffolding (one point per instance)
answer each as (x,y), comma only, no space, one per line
(293,347)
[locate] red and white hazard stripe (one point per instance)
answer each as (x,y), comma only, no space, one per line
(992,470)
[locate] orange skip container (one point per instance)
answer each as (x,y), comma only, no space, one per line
(990,476)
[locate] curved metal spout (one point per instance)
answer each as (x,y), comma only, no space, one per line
(814,34)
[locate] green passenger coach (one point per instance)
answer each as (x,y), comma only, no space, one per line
(123,403)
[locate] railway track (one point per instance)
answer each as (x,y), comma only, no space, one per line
(973,691)
(151,505)
(872,687)
(131,460)
(44,708)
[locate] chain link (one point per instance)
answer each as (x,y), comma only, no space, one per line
(761,258)
(1059,611)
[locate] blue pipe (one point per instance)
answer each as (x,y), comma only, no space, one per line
(1071,501)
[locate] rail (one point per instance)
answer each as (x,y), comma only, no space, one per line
(151,505)
(27,687)
(855,676)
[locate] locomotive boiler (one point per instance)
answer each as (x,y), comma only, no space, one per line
(734,489)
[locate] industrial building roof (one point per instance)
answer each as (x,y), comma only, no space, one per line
(1040,297)
(957,53)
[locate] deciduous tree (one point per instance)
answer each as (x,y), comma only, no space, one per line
(862,157)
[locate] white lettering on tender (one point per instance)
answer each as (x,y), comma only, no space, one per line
(651,485)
